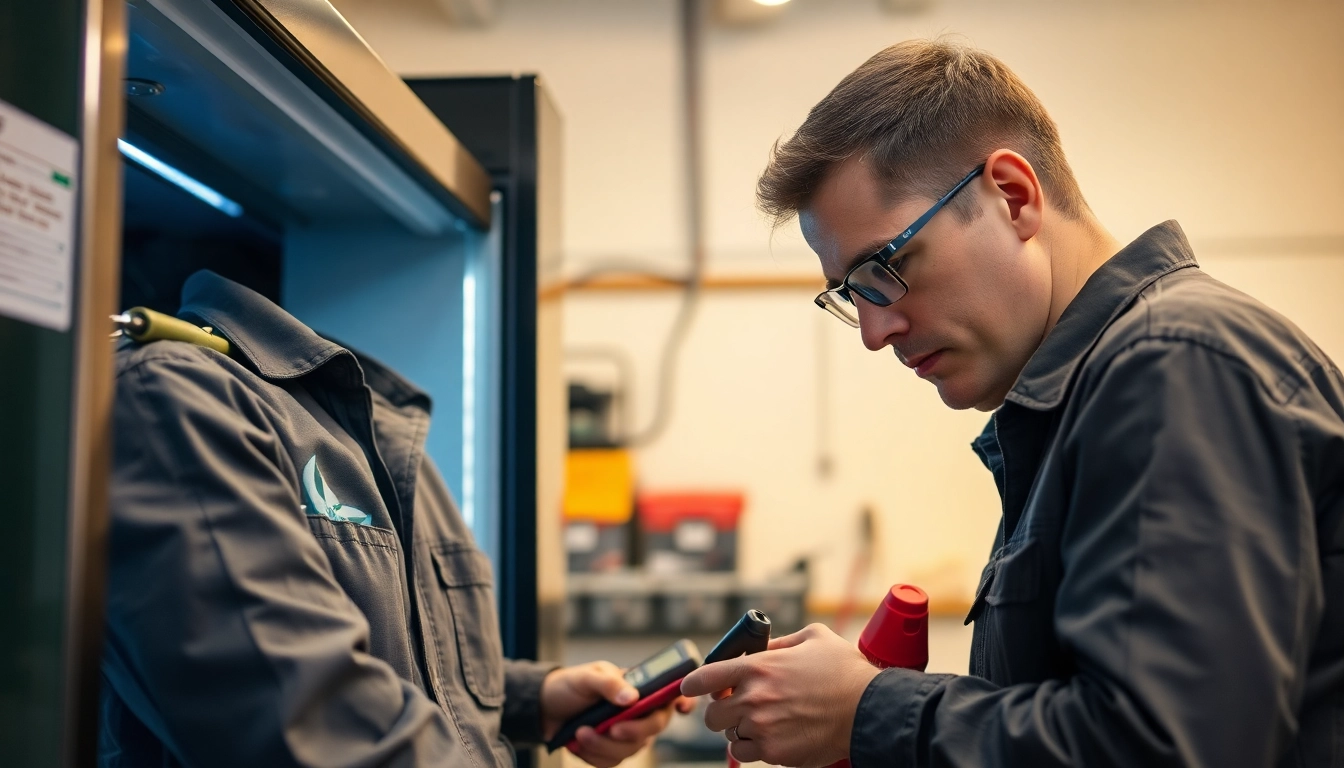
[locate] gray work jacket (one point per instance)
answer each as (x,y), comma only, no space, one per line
(1167,584)
(289,581)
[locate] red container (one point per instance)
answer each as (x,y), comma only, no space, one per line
(898,633)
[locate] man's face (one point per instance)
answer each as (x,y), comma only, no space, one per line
(979,297)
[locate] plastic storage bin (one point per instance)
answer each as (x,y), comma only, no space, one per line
(687,532)
(598,502)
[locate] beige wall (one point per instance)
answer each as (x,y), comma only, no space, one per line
(1224,115)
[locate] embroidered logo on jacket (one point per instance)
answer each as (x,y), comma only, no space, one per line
(321,499)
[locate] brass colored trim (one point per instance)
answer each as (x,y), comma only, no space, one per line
(651,283)
(939,607)
(317,35)
(98,265)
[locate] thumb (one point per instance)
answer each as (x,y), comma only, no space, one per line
(610,684)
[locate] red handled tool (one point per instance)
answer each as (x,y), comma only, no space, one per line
(658,678)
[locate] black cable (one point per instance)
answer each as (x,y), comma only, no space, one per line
(667,372)
(691,28)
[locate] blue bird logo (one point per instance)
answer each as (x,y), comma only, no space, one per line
(321,499)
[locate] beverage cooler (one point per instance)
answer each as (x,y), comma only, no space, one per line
(264,140)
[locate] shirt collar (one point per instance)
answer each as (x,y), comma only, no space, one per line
(276,345)
(1110,290)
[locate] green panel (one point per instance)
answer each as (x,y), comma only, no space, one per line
(40,59)
(40,62)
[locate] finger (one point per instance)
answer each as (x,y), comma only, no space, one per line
(721,715)
(685,706)
(745,751)
(599,750)
(714,677)
(642,728)
(595,759)
(797,638)
(725,693)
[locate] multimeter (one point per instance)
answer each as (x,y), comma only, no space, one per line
(658,678)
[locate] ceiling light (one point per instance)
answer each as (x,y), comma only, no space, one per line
(742,12)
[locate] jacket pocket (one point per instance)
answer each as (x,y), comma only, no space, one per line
(1014,636)
(464,575)
(366,562)
(986,581)
(1017,576)
(1013,575)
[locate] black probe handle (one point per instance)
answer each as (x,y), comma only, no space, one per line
(751,634)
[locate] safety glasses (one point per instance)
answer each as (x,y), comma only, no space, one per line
(876,278)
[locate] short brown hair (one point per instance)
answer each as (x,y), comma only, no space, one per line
(922,113)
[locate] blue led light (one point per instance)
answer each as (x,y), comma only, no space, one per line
(172,175)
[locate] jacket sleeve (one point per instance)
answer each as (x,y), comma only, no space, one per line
(522,700)
(227,634)
(1189,596)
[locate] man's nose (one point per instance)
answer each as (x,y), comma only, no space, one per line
(877,325)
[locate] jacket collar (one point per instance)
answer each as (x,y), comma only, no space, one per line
(277,346)
(1110,290)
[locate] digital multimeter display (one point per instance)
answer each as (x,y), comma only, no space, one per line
(663,662)
(658,677)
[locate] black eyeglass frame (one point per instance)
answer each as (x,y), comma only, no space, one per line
(830,299)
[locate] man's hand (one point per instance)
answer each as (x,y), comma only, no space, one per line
(569,690)
(793,704)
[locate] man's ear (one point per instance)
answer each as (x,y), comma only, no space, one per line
(1013,180)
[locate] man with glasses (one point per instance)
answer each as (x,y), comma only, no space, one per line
(1166,586)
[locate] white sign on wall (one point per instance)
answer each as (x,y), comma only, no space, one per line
(37,219)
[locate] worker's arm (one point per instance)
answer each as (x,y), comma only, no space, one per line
(1190,596)
(522,700)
